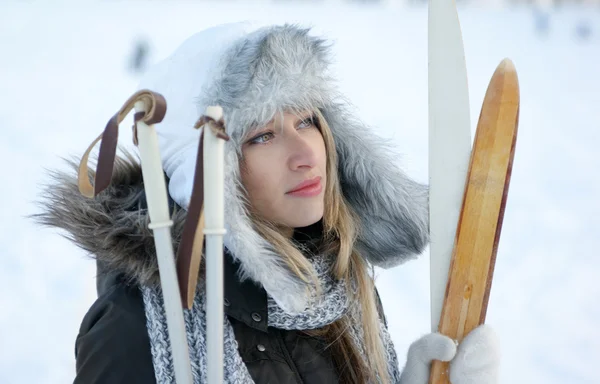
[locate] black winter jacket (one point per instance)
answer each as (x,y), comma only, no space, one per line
(113,344)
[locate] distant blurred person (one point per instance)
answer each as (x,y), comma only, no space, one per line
(139,56)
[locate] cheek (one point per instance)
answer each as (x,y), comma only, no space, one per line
(321,154)
(257,176)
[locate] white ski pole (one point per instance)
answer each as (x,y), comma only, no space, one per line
(214,230)
(160,223)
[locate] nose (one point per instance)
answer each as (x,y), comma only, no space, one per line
(301,154)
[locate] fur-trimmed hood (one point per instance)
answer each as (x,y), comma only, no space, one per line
(252,73)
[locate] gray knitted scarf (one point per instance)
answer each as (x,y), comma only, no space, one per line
(329,307)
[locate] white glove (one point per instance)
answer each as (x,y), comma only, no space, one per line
(477,359)
(433,346)
(474,361)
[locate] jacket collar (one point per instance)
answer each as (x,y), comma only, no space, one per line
(245,300)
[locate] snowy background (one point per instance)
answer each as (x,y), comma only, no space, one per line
(65,68)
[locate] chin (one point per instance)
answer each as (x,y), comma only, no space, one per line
(304,218)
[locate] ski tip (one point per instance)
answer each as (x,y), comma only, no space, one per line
(505,77)
(507,65)
(503,92)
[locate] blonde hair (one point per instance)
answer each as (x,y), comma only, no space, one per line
(340,226)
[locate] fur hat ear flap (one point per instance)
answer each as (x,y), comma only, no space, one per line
(392,208)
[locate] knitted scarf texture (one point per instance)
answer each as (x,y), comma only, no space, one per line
(330,306)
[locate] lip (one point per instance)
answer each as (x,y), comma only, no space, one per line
(307,188)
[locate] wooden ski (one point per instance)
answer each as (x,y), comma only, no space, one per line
(480,221)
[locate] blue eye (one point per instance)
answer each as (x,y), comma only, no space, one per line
(262,138)
(307,123)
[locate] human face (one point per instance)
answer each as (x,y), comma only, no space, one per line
(284,170)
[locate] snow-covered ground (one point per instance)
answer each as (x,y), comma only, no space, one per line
(64,72)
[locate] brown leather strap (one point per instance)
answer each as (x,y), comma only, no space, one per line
(109,138)
(189,254)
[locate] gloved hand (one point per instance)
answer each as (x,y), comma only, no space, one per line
(474,361)
(477,359)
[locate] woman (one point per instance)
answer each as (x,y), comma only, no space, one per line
(313,202)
